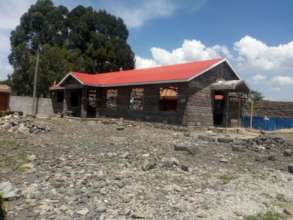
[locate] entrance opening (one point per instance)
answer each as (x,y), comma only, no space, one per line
(218,108)
(91,104)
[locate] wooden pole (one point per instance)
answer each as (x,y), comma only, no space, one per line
(34,110)
(251,111)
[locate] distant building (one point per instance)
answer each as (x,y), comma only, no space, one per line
(202,93)
(4,97)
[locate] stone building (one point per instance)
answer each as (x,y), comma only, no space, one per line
(202,93)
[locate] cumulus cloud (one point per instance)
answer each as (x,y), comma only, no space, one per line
(189,51)
(283,80)
(259,77)
(256,54)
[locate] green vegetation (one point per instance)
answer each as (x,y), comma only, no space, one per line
(270,215)
(226,178)
(78,40)
(257,96)
(2,211)
(12,156)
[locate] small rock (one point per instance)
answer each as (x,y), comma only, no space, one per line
(8,191)
(238,148)
(287,212)
(184,168)
(120,128)
(206,138)
(225,140)
(272,157)
(261,158)
(290,168)
(189,149)
(83,211)
(32,157)
(224,160)
(125,155)
(170,162)
(288,153)
(148,165)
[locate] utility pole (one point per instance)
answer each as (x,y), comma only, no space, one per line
(34,110)
(251,109)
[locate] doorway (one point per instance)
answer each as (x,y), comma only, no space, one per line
(91,104)
(218,108)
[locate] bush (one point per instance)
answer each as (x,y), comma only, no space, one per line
(270,215)
(2,211)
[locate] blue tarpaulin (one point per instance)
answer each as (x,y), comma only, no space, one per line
(267,124)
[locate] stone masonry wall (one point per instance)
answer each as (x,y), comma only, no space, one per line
(194,100)
(274,109)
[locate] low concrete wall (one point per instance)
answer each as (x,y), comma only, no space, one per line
(25,104)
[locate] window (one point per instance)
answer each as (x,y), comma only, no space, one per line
(92,98)
(74,98)
(136,99)
(111,98)
(168,99)
(60,96)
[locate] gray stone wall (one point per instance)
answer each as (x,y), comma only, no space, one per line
(25,104)
(273,109)
(194,100)
(199,110)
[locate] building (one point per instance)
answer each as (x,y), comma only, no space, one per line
(202,93)
(4,97)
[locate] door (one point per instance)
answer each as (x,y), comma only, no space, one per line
(218,108)
(92,103)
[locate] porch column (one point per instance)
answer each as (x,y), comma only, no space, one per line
(83,103)
(65,101)
(98,101)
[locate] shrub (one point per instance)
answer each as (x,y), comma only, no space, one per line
(2,211)
(270,215)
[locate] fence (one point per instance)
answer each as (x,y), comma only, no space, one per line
(25,104)
(268,124)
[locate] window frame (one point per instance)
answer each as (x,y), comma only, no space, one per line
(134,93)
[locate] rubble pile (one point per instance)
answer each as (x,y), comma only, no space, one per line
(263,142)
(16,123)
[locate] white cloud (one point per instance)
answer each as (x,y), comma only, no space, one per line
(282,80)
(144,63)
(259,77)
(136,13)
(189,51)
(253,53)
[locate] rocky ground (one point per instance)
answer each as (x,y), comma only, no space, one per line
(115,169)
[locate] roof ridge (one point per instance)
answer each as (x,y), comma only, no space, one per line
(155,67)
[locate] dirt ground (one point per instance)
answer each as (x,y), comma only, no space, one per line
(115,169)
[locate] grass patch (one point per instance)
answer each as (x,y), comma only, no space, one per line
(12,156)
(226,178)
(270,215)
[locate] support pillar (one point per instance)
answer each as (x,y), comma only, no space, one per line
(65,101)
(83,103)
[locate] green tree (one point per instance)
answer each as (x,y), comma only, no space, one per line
(257,96)
(78,40)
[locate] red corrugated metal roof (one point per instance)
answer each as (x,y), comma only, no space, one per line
(164,74)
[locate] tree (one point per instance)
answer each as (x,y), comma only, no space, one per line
(78,40)
(257,96)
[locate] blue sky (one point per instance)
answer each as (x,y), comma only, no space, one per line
(255,36)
